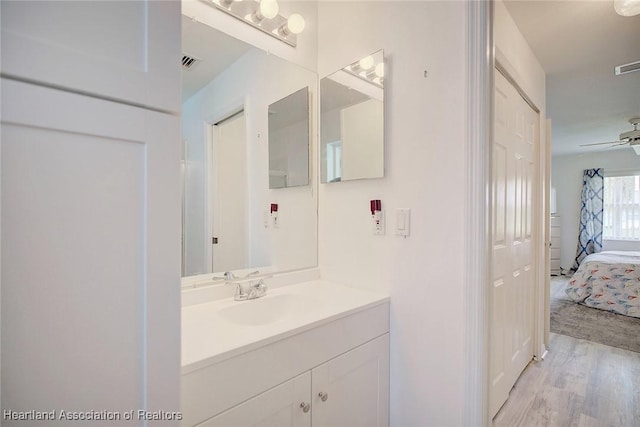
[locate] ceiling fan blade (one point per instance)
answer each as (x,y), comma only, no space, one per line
(603,143)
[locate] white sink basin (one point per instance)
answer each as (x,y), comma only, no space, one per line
(265,310)
(223,328)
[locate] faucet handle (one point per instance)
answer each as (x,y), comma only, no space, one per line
(242,293)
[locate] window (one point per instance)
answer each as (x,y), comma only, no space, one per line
(334,161)
(622,207)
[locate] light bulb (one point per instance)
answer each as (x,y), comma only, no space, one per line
(627,7)
(269,8)
(380,69)
(366,62)
(295,23)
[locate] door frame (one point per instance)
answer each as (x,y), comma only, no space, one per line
(477,225)
(480,65)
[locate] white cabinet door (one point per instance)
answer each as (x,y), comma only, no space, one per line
(121,50)
(90,254)
(282,406)
(352,390)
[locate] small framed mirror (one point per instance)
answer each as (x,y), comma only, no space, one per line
(289,141)
(352,121)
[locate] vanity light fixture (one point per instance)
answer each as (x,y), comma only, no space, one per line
(265,16)
(627,7)
(367,69)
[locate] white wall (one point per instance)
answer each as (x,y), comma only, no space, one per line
(362,131)
(255,80)
(566,177)
(290,154)
(513,53)
(424,167)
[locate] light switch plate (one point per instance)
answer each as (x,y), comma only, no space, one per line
(403,221)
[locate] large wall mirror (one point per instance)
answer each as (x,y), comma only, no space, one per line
(229,89)
(352,121)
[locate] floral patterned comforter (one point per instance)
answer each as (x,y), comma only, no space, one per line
(608,281)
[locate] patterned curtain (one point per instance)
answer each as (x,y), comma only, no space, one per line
(590,237)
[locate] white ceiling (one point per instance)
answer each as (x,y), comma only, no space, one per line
(578,43)
(216,50)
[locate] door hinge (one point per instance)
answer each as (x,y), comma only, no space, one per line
(214,240)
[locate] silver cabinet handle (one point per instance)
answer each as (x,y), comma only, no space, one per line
(305,407)
(323,396)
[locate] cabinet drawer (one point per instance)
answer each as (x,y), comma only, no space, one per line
(555,254)
(555,265)
(555,231)
(555,221)
(555,242)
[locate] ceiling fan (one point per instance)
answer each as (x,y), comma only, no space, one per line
(630,138)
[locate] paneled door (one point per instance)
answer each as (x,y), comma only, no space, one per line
(514,182)
(90,255)
(230,249)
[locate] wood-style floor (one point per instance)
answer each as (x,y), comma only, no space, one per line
(578,384)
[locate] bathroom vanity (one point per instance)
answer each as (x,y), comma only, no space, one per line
(308,354)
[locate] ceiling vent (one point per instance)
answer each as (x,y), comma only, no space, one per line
(627,68)
(188,62)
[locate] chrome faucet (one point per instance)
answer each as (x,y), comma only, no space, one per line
(246,288)
(250,290)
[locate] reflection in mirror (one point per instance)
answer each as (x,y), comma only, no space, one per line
(289,141)
(352,121)
(227,220)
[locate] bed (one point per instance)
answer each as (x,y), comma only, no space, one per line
(609,281)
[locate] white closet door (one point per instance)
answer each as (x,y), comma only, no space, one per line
(90,254)
(515,150)
(122,50)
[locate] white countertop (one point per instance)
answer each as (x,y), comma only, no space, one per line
(207,337)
